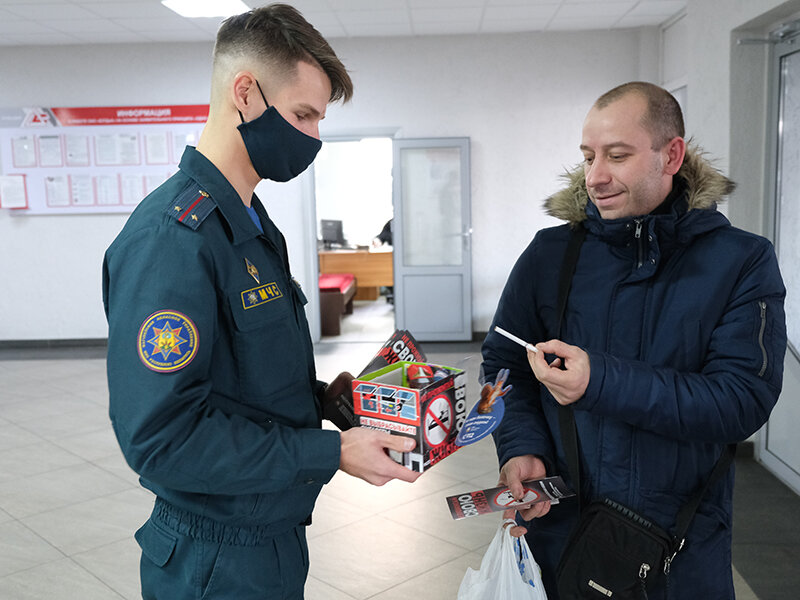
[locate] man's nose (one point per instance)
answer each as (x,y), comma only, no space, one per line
(596,173)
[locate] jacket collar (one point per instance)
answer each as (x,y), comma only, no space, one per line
(705,186)
(213,182)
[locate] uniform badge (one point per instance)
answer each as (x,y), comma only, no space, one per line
(251,268)
(261,295)
(167,341)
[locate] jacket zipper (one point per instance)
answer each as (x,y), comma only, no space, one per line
(763,308)
(638,237)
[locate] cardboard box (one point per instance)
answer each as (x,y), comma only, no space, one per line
(418,400)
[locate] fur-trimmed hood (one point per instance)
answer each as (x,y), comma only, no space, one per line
(706,187)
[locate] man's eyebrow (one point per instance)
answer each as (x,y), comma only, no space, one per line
(310,109)
(621,145)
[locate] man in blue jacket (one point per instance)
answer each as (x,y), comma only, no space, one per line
(213,390)
(671,346)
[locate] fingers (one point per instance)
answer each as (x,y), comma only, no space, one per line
(397,442)
(556,347)
(536,511)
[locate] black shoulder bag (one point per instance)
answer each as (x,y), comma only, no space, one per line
(614,552)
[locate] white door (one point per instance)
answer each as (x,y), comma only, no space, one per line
(780,444)
(432,238)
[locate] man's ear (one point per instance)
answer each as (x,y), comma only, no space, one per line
(245,96)
(674,153)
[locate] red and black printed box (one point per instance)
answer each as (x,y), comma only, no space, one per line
(422,401)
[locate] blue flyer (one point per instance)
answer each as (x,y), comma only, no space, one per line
(486,415)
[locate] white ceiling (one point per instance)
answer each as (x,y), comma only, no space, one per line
(33,22)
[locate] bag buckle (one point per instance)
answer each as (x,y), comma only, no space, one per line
(668,560)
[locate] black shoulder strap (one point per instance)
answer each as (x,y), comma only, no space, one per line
(566,420)
(566,417)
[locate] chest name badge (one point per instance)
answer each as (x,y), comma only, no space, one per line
(167,341)
(261,295)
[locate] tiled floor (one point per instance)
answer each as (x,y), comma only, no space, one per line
(69,505)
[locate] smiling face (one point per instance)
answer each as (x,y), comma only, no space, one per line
(625,176)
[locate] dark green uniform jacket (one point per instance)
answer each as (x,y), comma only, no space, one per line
(213,390)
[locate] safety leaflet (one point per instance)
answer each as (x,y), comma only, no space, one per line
(91,159)
(483,502)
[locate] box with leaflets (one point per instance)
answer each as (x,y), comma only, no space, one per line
(423,401)
(399,392)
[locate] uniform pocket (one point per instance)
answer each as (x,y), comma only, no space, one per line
(269,354)
(156,543)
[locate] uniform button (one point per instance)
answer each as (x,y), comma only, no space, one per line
(653,261)
(309,481)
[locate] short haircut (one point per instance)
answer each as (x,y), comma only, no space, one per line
(278,37)
(663,117)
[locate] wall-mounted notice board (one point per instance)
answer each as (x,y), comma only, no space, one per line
(91,159)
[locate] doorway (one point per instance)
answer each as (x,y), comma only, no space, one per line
(780,445)
(353,191)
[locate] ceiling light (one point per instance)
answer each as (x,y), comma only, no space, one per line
(206,8)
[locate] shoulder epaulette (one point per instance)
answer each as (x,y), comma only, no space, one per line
(191,206)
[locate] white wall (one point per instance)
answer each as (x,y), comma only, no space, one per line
(728,95)
(520,98)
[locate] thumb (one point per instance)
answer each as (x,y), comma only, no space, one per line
(516,489)
(399,443)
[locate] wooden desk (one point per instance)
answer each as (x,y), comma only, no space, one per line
(372,269)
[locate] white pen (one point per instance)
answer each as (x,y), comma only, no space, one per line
(514,338)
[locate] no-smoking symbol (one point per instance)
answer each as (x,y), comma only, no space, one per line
(438,420)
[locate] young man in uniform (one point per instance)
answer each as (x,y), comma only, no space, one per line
(671,347)
(213,390)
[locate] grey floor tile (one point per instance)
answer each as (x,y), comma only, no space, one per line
(116,565)
(94,523)
(58,488)
(430,515)
(331,513)
(317,590)
(440,583)
(13,436)
(21,549)
(379,554)
(34,459)
(50,407)
(61,580)
(88,419)
(116,465)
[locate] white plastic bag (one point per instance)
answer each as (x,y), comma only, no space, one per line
(508,571)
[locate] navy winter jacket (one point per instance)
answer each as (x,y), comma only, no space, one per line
(682,317)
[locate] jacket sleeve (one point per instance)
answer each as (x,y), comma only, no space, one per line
(523,429)
(732,395)
(169,431)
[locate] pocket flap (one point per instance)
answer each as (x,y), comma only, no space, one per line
(156,543)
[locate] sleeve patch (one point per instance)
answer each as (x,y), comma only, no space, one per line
(167,341)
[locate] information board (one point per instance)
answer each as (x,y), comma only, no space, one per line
(91,159)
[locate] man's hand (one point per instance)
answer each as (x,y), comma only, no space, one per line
(513,473)
(569,384)
(364,455)
(337,387)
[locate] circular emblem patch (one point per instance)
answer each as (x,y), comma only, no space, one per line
(167,341)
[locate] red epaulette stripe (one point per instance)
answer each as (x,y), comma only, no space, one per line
(190,209)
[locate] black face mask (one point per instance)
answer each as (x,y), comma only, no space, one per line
(277,150)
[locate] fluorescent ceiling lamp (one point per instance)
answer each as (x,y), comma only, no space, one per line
(206,8)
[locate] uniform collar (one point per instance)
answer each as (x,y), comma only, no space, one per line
(213,182)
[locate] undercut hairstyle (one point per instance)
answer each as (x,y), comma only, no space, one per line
(278,37)
(662,118)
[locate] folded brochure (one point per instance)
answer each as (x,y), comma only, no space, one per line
(483,502)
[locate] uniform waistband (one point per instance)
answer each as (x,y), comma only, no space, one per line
(208,530)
